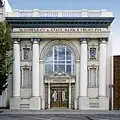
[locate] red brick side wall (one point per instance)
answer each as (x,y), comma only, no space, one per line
(116,78)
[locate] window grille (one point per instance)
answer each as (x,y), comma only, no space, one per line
(92,77)
(26,74)
(26,53)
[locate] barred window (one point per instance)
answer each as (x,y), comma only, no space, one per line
(92,77)
(26,53)
(26,76)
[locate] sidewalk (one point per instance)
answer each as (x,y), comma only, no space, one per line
(57,111)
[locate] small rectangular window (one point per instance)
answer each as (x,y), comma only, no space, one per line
(92,77)
(93,53)
(26,53)
(26,76)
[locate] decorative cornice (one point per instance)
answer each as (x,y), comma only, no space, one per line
(59,22)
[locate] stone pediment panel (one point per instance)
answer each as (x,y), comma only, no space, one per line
(60,73)
(59,76)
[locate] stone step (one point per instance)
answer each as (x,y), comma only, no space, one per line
(94,103)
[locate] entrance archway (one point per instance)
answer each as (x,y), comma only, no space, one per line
(59,78)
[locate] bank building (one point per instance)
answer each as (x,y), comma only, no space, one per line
(62,59)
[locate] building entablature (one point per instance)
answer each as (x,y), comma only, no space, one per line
(62,35)
(57,18)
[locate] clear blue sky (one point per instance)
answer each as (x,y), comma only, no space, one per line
(110,5)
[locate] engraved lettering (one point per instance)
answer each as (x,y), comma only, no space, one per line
(73,30)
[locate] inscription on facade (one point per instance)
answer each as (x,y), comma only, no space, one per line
(59,81)
(40,30)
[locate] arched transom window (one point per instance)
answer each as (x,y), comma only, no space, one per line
(59,58)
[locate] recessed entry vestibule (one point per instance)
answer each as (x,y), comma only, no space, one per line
(59,91)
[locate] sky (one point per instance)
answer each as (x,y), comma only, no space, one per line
(110,5)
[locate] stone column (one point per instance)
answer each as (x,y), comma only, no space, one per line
(35,68)
(77,86)
(42,85)
(49,95)
(83,68)
(15,100)
(102,68)
(83,101)
(35,100)
(16,69)
(70,95)
(104,101)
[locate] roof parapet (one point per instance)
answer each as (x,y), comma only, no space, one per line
(59,13)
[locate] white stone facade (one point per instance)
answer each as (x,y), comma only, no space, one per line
(69,65)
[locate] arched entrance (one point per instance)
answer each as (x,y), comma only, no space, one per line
(59,76)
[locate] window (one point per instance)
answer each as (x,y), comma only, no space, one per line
(92,77)
(93,52)
(26,53)
(26,75)
(59,58)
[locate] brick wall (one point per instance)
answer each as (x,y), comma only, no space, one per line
(116,78)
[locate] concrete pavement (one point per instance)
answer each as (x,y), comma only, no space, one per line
(58,111)
(58,114)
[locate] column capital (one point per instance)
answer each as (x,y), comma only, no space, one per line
(16,40)
(84,40)
(35,40)
(103,40)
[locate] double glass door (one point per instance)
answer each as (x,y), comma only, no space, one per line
(59,97)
